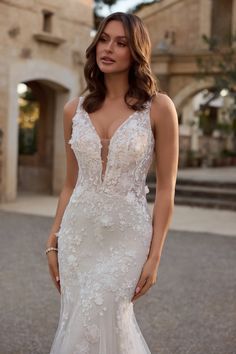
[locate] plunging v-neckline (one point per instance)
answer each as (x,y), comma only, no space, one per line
(116,130)
(103,175)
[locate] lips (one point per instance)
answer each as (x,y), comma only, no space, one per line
(107,59)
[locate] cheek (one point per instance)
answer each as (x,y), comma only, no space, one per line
(97,49)
(126,56)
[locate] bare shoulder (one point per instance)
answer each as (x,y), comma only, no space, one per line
(70,108)
(162,108)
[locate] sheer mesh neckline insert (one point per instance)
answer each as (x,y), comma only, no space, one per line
(104,154)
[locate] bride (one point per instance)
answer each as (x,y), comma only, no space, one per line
(104,247)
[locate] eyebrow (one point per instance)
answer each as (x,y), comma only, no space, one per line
(123,37)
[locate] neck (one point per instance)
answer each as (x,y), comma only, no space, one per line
(117,85)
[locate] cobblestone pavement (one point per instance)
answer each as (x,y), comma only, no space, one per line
(190,310)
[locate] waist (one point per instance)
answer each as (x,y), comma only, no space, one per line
(97,201)
(130,194)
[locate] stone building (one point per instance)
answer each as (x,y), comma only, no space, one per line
(42,46)
(176,28)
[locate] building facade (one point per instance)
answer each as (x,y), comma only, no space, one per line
(176,28)
(42,46)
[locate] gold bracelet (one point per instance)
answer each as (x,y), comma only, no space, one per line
(51,249)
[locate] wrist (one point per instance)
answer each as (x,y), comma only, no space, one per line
(52,241)
(52,244)
(50,249)
(154,258)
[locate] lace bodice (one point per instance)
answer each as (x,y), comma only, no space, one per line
(118,165)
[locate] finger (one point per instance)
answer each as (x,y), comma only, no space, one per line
(144,289)
(140,284)
(58,287)
(54,272)
(139,287)
(55,276)
(53,265)
(139,295)
(57,284)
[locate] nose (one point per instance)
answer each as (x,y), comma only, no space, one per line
(109,46)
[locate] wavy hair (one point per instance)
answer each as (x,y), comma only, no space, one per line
(142,84)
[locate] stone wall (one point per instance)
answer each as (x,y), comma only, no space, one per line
(179,22)
(176,28)
(41,41)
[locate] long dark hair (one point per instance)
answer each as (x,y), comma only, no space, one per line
(142,84)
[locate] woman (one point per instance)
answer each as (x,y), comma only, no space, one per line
(109,246)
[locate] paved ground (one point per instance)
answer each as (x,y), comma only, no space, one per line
(185,218)
(214,174)
(190,310)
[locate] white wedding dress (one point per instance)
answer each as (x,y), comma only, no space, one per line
(104,238)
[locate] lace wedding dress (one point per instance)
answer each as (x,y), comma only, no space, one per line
(104,238)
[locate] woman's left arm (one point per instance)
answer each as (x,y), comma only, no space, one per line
(164,116)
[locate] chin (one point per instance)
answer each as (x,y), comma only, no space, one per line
(110,70)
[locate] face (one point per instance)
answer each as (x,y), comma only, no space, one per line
(112,52)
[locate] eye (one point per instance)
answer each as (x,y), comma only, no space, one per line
(122,44)
(102,39)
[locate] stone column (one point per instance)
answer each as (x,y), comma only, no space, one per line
(234,20)
(205,20)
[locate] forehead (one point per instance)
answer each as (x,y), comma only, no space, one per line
(114,28)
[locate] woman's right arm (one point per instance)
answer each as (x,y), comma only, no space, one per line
(71,172)
(69,184)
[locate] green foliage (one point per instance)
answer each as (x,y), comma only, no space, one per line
(106,2)
(100,3)
(97,13)
(205,123)
(224,127)
(142,5)
(28,140)
(28,123)
(221,62)
(228,153)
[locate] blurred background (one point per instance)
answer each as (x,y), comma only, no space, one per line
(42,46)
(193,57)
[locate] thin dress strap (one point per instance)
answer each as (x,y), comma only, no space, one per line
(147,105)
(81,98)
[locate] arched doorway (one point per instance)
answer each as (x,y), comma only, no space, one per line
(204,124)
(52,85)
(36,135)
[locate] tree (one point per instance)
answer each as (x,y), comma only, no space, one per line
(142,5)
(98,16)
(97,13)
(220,64)
(100,3)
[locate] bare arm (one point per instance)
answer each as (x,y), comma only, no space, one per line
(165,117)
(71,172)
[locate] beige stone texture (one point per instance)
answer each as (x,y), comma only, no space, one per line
(176,28)
(52,56)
